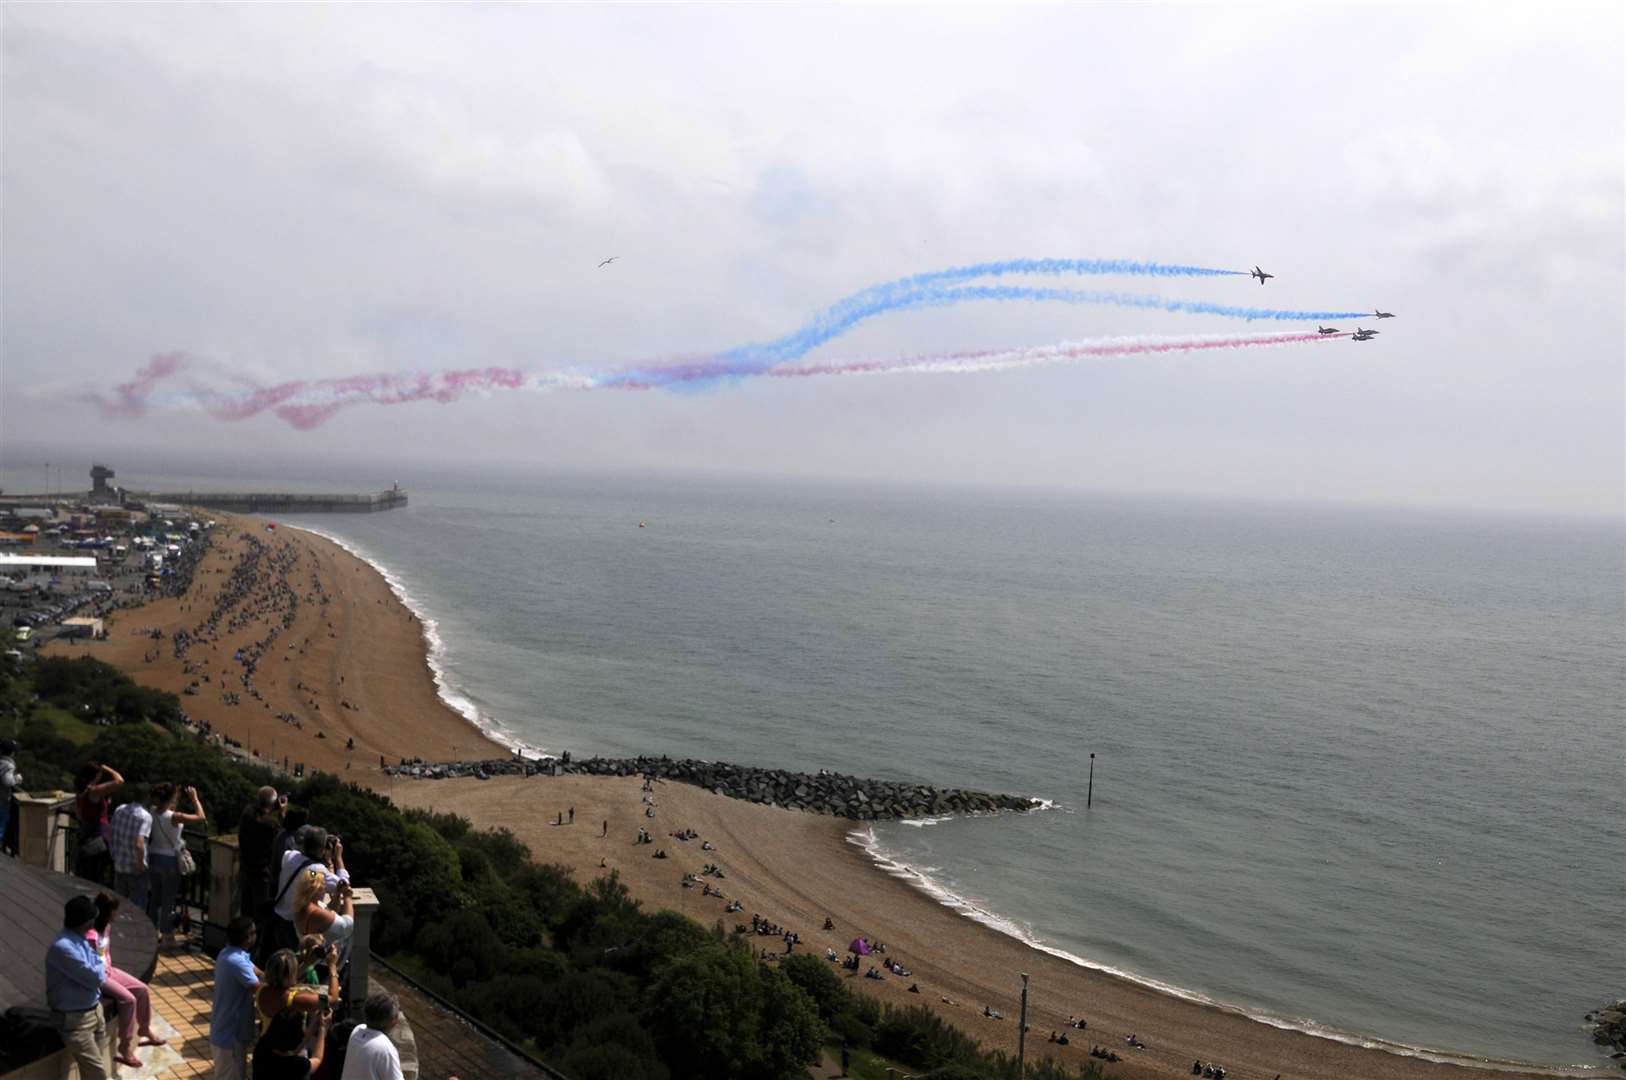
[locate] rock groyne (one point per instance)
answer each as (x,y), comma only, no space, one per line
(1609,1029)
(824,792)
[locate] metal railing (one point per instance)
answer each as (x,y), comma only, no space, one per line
(193,891)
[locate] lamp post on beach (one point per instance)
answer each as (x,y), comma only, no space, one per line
(1089,796)
(1022,1031)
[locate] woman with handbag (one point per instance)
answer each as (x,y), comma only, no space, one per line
(91,805)
(167,857)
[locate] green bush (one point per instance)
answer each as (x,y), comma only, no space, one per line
(611,1047)
(921,1039)
(717,1012)
(818,980)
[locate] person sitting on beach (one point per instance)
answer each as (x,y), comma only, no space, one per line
(1062,1039)
(708,846)
(1197,1067)
(1052,1037)
(828,925)
(830,955)
(660,853)
(914,988)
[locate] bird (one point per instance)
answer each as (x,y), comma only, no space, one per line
(608,261)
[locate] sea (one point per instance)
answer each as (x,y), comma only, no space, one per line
(1350,769)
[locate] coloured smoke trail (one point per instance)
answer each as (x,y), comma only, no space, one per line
(308,403)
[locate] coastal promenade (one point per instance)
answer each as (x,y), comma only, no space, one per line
(348,665)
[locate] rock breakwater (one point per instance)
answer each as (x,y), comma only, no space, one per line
(1609,1029)
(824,792)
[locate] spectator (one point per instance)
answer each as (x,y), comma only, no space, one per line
(294,818)
(281,1053)
(255,834)
(313,953)
(231,1022)
(131,830)
(314,849)
(336,924)
(370,1055)
(91,805)
(338,1042)
(282,992)
(73,990)
(164,854)
(10,781)
(130,993)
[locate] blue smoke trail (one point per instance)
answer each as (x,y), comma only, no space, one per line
(932,291)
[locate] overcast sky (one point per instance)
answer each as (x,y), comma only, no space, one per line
(299,190)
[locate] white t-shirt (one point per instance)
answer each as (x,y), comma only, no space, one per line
(166,834)
(371,1056)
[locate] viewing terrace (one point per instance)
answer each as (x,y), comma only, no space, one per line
(435,1041)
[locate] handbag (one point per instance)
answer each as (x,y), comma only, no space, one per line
(183,858)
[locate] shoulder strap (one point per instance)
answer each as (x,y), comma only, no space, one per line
(291,879)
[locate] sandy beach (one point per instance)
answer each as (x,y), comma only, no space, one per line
(352,667)
(355,668)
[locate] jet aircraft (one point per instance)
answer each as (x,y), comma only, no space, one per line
(1326,329)
(1384,314)
(1260,274)
(1363,334)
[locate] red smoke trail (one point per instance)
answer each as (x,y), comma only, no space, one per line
(997,359)
(130,398)
(308,403)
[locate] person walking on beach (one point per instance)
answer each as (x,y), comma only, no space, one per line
(573,815)
(606,831)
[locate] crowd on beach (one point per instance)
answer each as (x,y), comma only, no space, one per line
(281,1000)
(259,591)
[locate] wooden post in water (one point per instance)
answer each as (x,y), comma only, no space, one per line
(1089,796)
(1022,1030)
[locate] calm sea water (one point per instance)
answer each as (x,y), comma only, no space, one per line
(1358,770)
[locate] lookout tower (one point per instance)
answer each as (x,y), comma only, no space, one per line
(99,476)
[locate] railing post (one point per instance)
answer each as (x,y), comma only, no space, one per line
(225,885)
(39,843)
(361,947)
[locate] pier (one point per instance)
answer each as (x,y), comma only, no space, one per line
(262,502)
(102,493)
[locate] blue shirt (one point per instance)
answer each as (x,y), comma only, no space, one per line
(73,973)
(233,1022)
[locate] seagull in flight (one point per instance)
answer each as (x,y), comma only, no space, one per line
(608,261)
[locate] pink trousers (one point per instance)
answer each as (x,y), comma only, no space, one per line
(134,1002)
